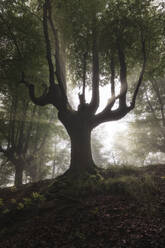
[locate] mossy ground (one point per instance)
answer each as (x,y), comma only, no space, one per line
(117,208)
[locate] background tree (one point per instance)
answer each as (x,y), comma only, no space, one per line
(153,114)
(24,130)
(5,174)
(147,131)
(26,136)
(130,147)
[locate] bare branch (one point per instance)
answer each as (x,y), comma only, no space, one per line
(112,100)
(41,101)
(123,77)
(157,91)
(47,41)
(95,80)
(154,113)
(57,93)
(123,80)
(60,73)
(132,105)
(151,107)
(107,110)
(52,95)
(112,67)
(109,115)
(84,75)
(82,95)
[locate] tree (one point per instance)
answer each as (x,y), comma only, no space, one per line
(145,136)
(154,115)
(24,135)
(95,42)
(148,127)
(130,147)
(5,174)
(21,129)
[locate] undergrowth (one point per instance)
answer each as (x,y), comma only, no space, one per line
(125,181)
(122,170)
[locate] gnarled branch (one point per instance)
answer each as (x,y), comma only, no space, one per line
(52,96)
(60,73)
(112,100)
(160,100)
(95,79)
(112,67)
(47,41)
(132,105)
(84,75)
(123,77)
(109,115)
(42,100)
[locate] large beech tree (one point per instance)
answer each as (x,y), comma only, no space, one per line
(92,43)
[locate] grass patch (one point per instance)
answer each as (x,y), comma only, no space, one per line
(124,181)
(122,170)
(140,188)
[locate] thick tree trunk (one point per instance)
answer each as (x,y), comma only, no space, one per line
(79,130)
(81,154)
(18,175)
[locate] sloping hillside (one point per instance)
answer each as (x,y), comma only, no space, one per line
(127,209)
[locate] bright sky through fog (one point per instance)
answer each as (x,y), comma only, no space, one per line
(108,130)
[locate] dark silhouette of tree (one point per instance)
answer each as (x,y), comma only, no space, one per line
(96,41)
(109,38)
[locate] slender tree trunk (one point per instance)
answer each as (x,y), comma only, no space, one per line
(53,169)
(34,172)
(18,175)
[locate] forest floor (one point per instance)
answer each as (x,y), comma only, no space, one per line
(94,218)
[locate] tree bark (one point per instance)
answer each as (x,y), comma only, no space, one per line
(81,154)
(79,129)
